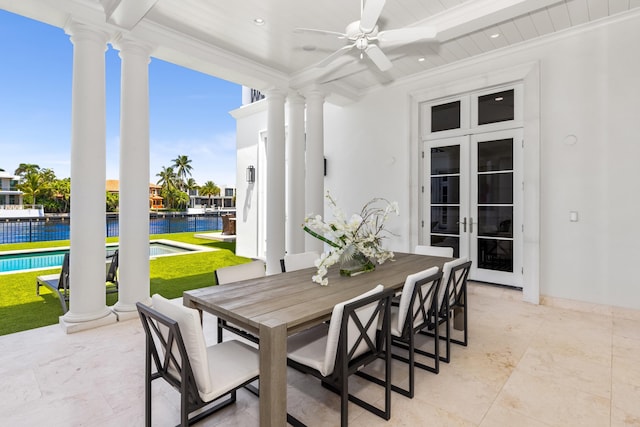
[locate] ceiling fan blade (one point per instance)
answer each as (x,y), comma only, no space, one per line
(378,57)
(326,61)
(323,32)
(406,36)
(370,14)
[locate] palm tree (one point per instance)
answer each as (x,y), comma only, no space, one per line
(26,168)
(183,168)
(32,185)
(191,185)
(62,190)
(167,178)
(209,189)
(168,183)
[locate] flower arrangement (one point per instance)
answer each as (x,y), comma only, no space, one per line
(356,240)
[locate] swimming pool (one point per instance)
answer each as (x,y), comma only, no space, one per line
(50,258)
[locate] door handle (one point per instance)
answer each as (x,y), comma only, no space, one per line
(464,224)
(470,225)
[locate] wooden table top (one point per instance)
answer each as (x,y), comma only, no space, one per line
(293,299)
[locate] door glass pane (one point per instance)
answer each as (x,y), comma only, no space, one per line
(495,107)
(495,221)
(445,116)
(447,241)
(495,188)
(445,160)
(495,155)
(495,254)
(445,189)
(444,219)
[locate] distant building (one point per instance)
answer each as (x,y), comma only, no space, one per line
(155,200)
(225,201)
(11,199)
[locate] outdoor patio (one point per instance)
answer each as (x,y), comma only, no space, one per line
(561,364)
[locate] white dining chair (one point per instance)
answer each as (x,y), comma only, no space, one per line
(202,375)
(293,262)
(333,352)
(443,251)
(237,273)
(452,300)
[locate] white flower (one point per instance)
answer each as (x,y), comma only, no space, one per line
(362,233)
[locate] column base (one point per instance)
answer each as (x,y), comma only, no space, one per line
(123,310)
(71,327)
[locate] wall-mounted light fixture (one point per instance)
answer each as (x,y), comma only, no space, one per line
(251,174)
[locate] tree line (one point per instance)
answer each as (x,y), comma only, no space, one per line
(40,186)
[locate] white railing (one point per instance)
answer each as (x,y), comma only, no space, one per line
(21,211)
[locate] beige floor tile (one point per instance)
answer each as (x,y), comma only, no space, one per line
(548,366)
(625,404)
(499,416)
(627,328)
(552,403)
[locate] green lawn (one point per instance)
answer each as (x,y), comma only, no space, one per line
(21,309)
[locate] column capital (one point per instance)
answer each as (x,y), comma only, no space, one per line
(135,47)
(275,92)
(295,98)
(79,31)
(314,92)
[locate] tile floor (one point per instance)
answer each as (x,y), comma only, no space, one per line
(557,364)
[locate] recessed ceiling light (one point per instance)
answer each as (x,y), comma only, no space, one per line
(495,35)
(421,59)
(258,21)
(499,98)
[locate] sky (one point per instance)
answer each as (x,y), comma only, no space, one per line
(188,110)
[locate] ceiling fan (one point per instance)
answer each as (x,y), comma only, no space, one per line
(364,36)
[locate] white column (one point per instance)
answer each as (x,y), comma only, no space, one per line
(275,231)
(295,176)
(314,183)
(88,178)
(133,275)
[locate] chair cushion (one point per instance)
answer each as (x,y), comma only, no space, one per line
(191,330)
(317,347)
(446,272)
(405,299)
(231,363)
(293,262)
(443,251)
(237,273)
(308,347)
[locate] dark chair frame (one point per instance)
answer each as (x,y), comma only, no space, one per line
(455,298)
(425,289)
(185,384)
(223,324)
(59,286)
(338,380)
(112,272)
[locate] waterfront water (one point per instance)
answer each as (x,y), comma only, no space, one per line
(47,229)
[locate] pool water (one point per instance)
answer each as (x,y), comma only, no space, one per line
(50,259)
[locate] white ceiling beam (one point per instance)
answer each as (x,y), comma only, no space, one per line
(126,13)
(475,15)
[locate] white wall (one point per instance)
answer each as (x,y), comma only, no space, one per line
(589,88)
(251,121)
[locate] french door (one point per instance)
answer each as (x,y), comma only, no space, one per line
(473,190)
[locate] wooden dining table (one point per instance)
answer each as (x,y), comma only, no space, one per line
(276,306)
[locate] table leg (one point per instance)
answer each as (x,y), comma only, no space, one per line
(273,375)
